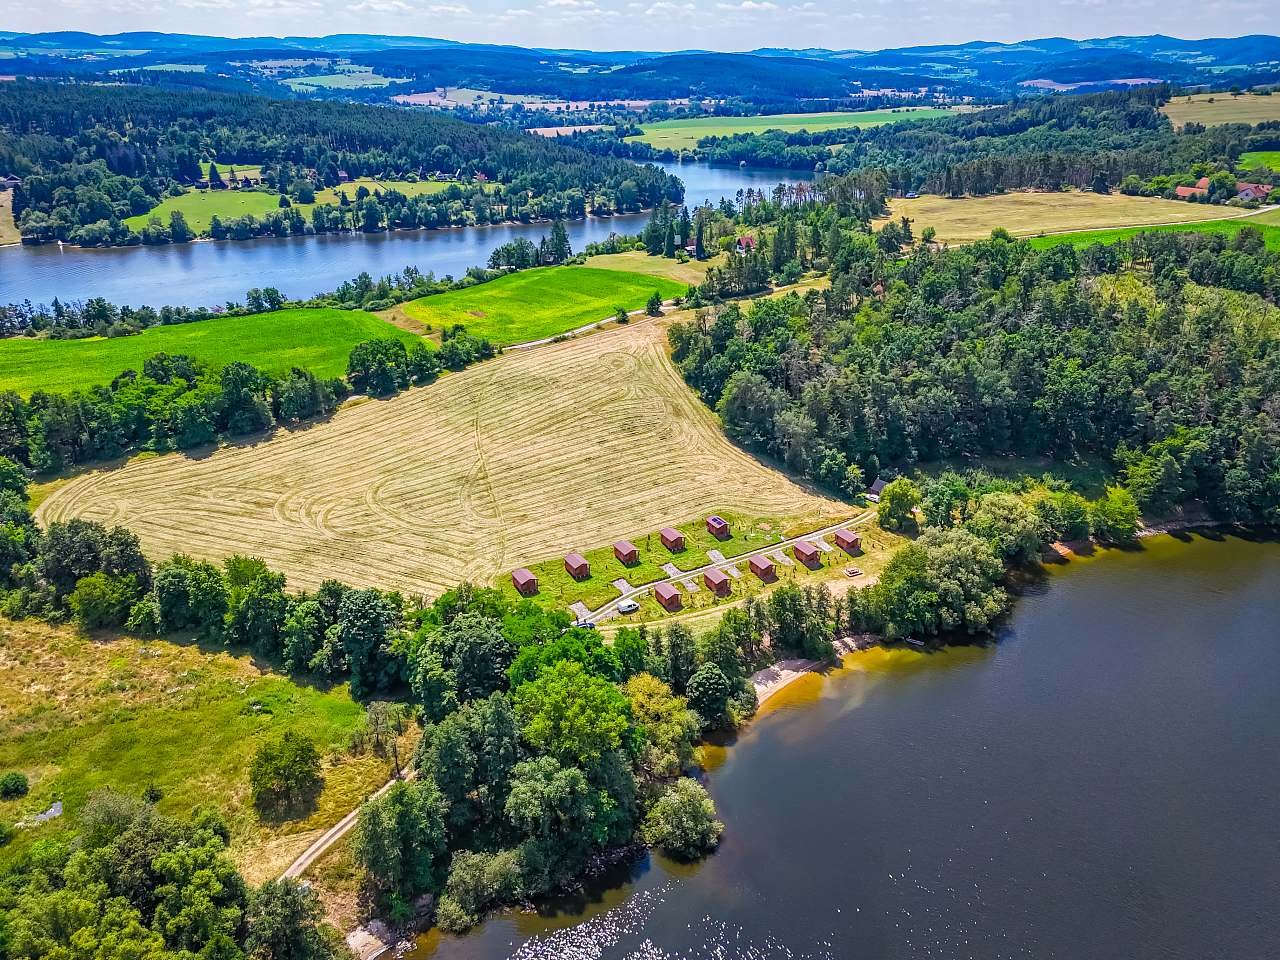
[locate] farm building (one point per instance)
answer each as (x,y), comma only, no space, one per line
(807,553)
(626,552)
(874,491)
(575,564)
(1244,190)
(762,567)
(525,582)
(668,595)
(672,538)
(717,582)
(718,527)
(848,541)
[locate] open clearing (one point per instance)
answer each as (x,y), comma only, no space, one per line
(8,229)
(1261,158)
(82,713)
(963,219)
(685,134)
(544,302)
(637,261)
(1267,222)
(507,463)
(319,340)
(1213,109)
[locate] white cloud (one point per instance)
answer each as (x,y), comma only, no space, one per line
(748,6)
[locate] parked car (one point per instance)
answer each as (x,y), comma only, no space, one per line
(628,606)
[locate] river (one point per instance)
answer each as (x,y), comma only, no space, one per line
(208,273)
(1102,782)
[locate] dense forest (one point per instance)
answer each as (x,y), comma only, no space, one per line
(91,156)
(1142,354)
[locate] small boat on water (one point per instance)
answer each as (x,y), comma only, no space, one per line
(913,641)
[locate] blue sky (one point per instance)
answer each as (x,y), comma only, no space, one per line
(661,24)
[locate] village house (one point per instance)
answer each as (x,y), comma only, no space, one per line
(1244,190)
(672,539)
(874,491)
(848,541)
(626,553)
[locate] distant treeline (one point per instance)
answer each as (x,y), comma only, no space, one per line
(91,156)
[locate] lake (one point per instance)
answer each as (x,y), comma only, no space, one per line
(1102,782)
(212,272)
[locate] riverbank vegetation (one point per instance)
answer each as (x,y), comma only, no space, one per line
(81,180)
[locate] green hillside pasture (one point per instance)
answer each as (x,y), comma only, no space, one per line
(1261,158)
(685,134)
(1268,223)
(201,206)
(545,302)
(317,340)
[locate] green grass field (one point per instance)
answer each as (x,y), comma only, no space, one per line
(1261,158)
(354,78)
(201,206)
(1268,223)
(685,134)
(545,302)
(83,713)
(317,340)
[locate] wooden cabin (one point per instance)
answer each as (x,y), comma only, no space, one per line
(525,582)
(762,567)
(718,527)
(668,595)
(848,541)
(575,564)
(807,553)
(627,553)
(717,582)
(672,539)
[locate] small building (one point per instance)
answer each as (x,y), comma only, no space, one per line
(717,582)
(668,595)
(762,567)
(848,541)
(746,243)
(1253,191)
(626,552)
(718,527)
(526,583)
(672,539)
(344,177)
(9,182)
(807,553)
(874,491)
(575,564)
(1186,193)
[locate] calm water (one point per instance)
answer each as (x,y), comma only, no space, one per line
(1104,782)
(210,273)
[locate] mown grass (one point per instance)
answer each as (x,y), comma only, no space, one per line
(1213,109)
(8,228)
(685,134)
(637,261)
(747,534)
(1268,223)
(319,340)
(545,302)
(83,713)
(1261,158)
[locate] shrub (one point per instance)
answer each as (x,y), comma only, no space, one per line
(103,600)
(285,773)
(683,821)
(13,784)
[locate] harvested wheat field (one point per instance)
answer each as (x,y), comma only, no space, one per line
(1027,214)
(506,463)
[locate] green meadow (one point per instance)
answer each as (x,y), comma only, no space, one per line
(545,302)
(318,340)
(1267,223)
(1260,158)
(685,134)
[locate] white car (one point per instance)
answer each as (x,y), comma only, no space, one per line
(628,606)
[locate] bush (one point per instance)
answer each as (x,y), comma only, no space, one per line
(683,821)
(13,784)
(285,773)
(102,600)
(1115,516)
(897,501)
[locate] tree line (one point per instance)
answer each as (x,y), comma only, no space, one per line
(997,348)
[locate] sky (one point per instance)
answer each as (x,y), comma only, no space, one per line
(659,24)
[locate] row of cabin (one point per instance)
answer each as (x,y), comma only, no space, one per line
(717,581)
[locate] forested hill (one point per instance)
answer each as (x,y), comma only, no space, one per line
(113,139)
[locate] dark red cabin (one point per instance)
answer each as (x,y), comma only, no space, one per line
(848,541)
(626,552)
(575,564)
(762,567)
(717,582)
(718,527)
(667,595)
(672,539)
(807,553)
(525,582)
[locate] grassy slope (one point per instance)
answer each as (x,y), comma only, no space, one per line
(1268,223)
(685,134)
(636,261)
(533,304)
(1023,214)
(1261,158)
(8,229)
(1246,108)
(318,340)
(83,713)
